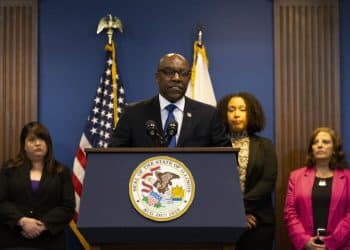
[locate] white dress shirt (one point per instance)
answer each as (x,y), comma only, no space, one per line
(178,112)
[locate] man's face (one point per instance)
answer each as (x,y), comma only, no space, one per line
(172,76)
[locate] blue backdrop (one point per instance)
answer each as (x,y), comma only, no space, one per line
(238,36)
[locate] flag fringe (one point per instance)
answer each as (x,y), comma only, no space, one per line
(115,78)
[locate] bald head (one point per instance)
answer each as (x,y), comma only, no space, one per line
(173,75)
(172,56)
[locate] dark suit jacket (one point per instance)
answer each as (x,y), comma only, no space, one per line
(260,179)
(54,206)
(201,126)
(259,186)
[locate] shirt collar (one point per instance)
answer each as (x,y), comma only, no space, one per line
(180,104)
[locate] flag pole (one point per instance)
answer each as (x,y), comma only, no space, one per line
(200,88)
(200,33)
(110,23)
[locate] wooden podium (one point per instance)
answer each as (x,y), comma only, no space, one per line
(108,219)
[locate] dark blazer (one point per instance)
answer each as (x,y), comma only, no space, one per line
(259,186)
(54,205)
(201,126)
(260,179)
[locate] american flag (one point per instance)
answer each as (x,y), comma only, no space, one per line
(107,106)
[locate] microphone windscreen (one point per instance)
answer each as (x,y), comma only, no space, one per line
(172,128)
(151,128)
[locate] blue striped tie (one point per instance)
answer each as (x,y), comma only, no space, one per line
(171,117)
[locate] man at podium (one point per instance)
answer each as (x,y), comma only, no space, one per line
(170,118)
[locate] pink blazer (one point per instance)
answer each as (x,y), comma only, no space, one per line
(298,209)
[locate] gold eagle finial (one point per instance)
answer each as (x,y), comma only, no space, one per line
(108,22)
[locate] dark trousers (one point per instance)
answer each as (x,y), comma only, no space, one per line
(258,238)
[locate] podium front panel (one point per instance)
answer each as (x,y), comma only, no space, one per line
(107,215)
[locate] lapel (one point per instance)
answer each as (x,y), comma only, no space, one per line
(155,111)
(253,152)
(25,177)
(306,189)
(187,122)
(338,186)
(44,182)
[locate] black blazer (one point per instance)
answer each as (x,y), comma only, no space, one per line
(260,179)
(54,206)
(201,125)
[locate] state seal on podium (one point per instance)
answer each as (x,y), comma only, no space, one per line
(161,188)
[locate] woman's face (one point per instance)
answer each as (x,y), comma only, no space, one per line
(322,147)
(237,114)
(35,147)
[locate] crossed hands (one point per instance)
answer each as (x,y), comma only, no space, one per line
(31,228)
(311,245)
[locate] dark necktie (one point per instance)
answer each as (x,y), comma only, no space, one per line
(170,108)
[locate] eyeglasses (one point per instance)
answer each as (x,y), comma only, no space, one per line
(171,72)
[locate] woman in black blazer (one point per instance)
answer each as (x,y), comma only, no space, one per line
(36,195)
(257,167)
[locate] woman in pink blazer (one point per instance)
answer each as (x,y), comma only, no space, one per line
(318,196)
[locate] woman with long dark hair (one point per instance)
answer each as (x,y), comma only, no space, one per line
(36,194)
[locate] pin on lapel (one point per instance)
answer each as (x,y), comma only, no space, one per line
(189,115)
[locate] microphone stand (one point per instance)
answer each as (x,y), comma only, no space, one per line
(153,132)
(171,131)
(157,138)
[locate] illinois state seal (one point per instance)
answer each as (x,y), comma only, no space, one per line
(161,188)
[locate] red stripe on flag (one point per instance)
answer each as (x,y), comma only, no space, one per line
(75,216)
(81,157)
(78,187)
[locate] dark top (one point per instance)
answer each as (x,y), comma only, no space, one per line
(259,187)
(260,179)
(321,199)
(54,205)
(201,125)
(35,187)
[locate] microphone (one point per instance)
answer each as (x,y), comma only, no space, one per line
(170,132)
(171,129)
(151,128)
(153,132)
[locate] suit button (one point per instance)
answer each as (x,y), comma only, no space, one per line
(31,212)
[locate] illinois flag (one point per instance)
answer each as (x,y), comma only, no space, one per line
(200,87)
(107,106)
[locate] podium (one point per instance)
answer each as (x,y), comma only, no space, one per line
(108,219)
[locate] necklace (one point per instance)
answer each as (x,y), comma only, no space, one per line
(322,183)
